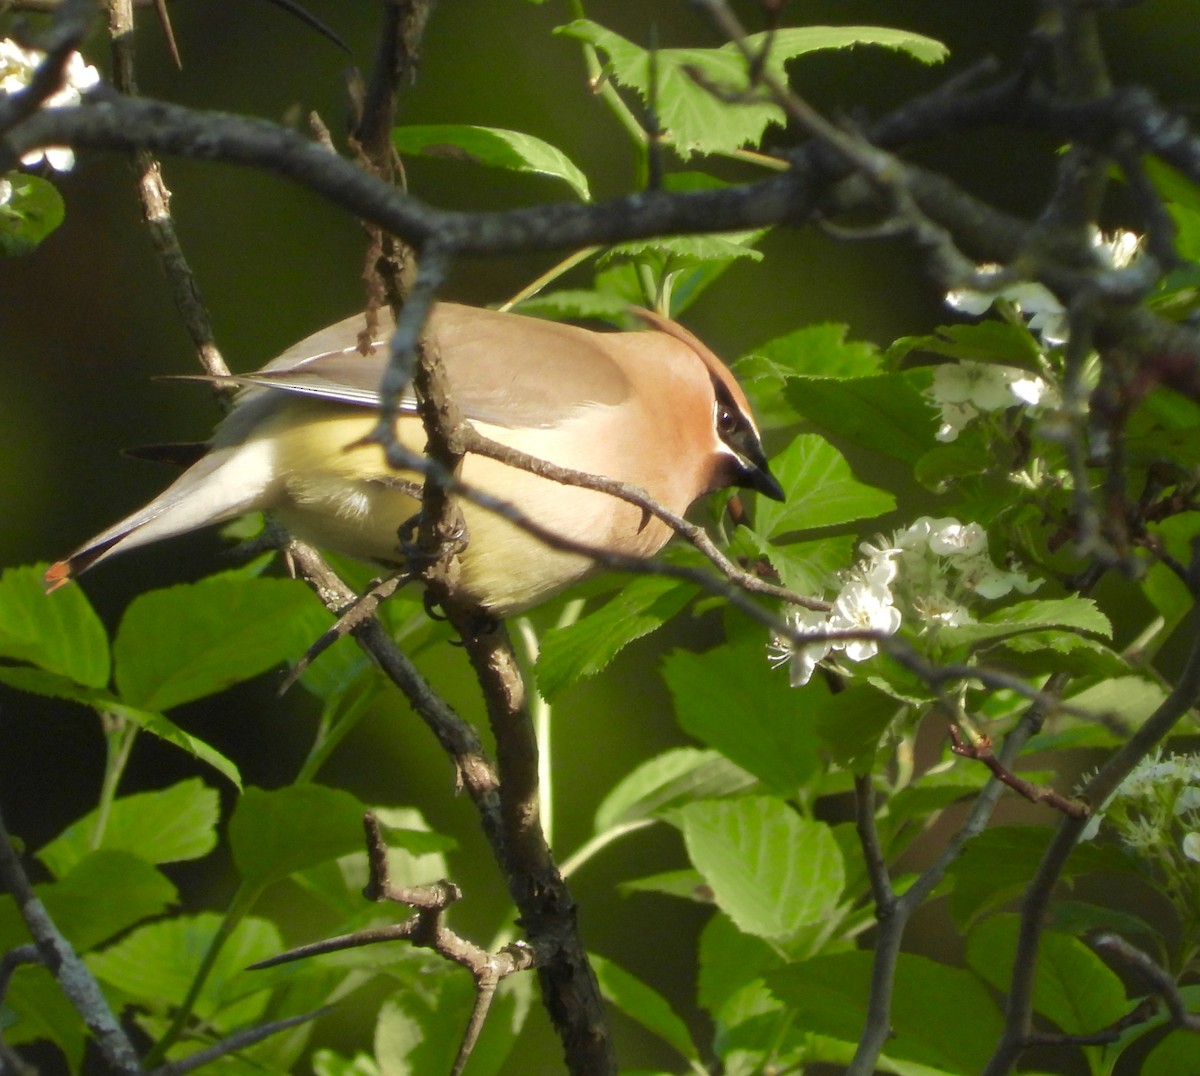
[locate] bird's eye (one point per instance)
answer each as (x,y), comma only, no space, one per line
(727,419)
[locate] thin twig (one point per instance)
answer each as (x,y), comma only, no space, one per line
(981,751)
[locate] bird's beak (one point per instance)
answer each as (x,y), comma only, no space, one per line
(754,472)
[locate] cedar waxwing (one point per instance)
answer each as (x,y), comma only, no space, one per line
(655,409)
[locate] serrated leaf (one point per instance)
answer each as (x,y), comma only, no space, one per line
(58,632)
(809,567)
(33,210)
(664,781)
(1075,612)
(1128,699)
(674,254)
(272,834)
(991,341)
(188,641)
(729,960)
(829,994)
(155,965)
(420,1026)
(996,866)
(105,893)
(165,729)
(584,648)
(821,490)
(1072,985)
(495,147)
(886,414)
(727,700)
(851,722)
(694,119)
(644,1005)
(771,871)
(819,350)
(174,824)
(584,304)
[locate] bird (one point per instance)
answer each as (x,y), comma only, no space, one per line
(654,408)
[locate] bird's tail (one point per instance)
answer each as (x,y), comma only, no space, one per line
(226,483)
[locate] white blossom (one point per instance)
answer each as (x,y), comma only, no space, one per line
(1047,316)
(1191,846)
(6,191)
(17,66)
(962,390)
(950,538)
(800,658)
(863,607)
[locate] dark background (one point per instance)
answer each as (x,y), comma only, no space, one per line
(86,322)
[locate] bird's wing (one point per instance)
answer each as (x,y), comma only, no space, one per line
(503,369)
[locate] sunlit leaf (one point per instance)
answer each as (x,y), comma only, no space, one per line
(58,632)
(726,699)
(821,490)
(587,646)
(166,826)
(1072,985)
(829,994)
(665,780)
(514,151)
(275,833)
(770,870)
(184,642)
(643,1004)
(694,119)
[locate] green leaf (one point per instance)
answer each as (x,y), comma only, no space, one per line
(851,722)
(808,567)
(492,146)
(45,1013)
(165,729)
(1178,1053)
(727,699)
(1074,612)
(668,779)
(983,341)
(694,119)
(771,871)
(105,893)
(1073,986)
(829,994)
(1128,699)
(970,455)
(33,210)
(821,490)
(58,632)
(420,1026)
(169,826)
(587,646)
(327,1063)
(996,866)
(189,641)
(644,1005)
(819,350)
(580,303)
(1056,650)
(273,834)
(686,884)
(729,960)
(673,255)
(155,965)
(887,413)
